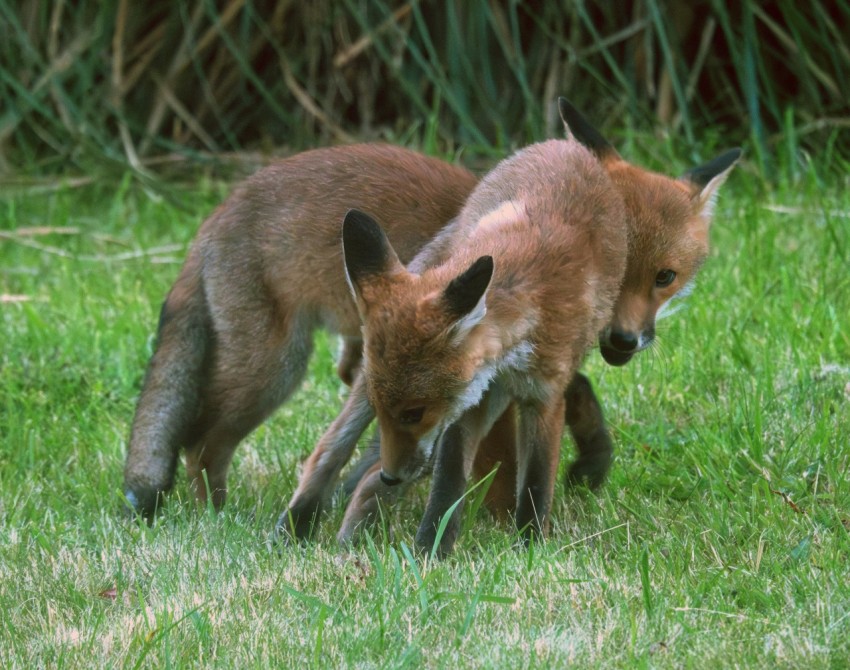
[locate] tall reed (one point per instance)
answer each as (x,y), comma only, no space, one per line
(97,87)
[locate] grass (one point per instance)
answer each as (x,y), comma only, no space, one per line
(722,538)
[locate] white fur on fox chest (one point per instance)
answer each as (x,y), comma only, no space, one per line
(508,375)
(503,379)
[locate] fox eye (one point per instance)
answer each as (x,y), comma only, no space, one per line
(664,278)
(412,415)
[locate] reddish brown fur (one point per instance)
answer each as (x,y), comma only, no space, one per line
(560,254)
(557,274)
(498,451)
(264,271)
(668,223)
(333,450)
(587,427)
(579,246)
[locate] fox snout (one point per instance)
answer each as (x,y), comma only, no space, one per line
(404,459)
(618,345)
(404,473)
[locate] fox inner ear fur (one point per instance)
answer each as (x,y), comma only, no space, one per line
(365,248)
(464,297)
(707,178)
(581,129)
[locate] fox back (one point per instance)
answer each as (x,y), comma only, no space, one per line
(279,230)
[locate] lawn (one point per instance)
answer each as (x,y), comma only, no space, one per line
(722,538)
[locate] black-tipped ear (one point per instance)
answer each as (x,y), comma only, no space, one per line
(463,295)
(583,131)
(703,174)
(707,179)
(366,249)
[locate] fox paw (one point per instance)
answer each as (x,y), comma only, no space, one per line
(589,472)
(298,522)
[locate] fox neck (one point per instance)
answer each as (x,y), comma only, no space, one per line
(501,345)
(512,304)
(504,343)
(506,355)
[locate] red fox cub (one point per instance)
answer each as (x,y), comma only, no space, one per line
(265,271)
(560,246)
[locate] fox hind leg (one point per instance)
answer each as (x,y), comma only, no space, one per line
(254,372)
(587,426)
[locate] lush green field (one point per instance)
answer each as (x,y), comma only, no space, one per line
(721,539)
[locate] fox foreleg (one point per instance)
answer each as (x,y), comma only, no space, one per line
(538,454)
(322,467)
(586,422)
(370,495)
(447,488)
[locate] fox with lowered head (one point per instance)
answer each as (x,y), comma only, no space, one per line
(562,245)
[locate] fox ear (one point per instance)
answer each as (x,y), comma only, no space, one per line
(580,128)
(708,178)
(366,250)
(465,297)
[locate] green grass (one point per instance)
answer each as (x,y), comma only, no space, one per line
(722,538)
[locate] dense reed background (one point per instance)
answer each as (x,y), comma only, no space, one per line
(93,87)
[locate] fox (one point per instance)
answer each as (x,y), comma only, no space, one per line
(562,245)
(264,272)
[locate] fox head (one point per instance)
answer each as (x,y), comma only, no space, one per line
(419,345)
(668,223)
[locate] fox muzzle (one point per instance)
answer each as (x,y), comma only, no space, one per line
(618,346)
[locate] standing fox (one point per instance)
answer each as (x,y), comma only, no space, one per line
(236,330)
(560,245)
(265,271)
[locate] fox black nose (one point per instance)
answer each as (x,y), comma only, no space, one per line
(388,480)
(623,342)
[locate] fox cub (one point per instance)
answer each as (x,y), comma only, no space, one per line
(265,271)
(562,245)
